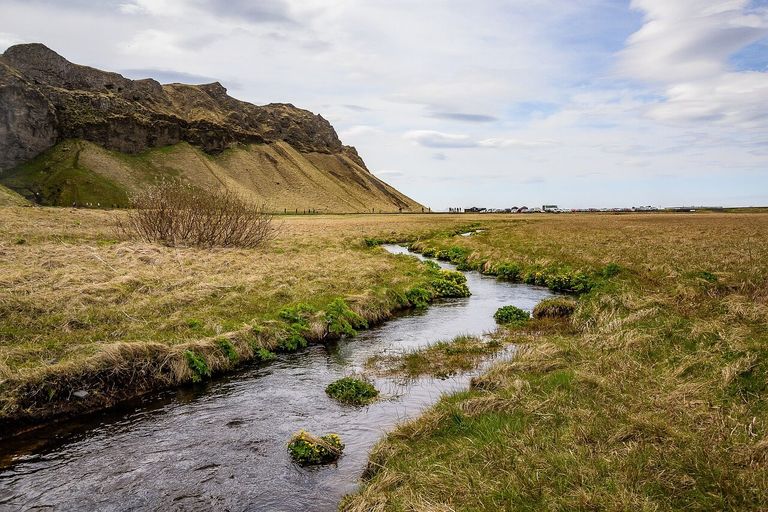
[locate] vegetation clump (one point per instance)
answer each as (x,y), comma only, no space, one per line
(352,390)
(557,307)
(228,349)
(418,297)
(198,365)
(441,359)
(308,449)
(297,317)
(447,283)
(511,315)
(176,214)
(341,320)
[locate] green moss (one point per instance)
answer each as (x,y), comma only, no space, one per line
(352,390)
(264,355)
(418,297)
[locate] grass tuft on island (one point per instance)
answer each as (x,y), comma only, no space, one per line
(355,390)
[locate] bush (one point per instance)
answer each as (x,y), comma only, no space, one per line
(198,366)
(176,214)
(511,315)
(307,449)
(352,390)
(558,307)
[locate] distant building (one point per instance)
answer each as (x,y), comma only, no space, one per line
(549,207)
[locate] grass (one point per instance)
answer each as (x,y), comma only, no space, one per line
(651,396)
(352,390)
(81,307)
(441,359)
(77,171)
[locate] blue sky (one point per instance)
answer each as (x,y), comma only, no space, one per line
(461,103)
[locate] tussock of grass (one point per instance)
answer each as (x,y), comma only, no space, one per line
(651,396)
(557,307)
(352,390)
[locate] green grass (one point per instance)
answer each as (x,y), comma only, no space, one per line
(441,359)
(352,390)
(57,178)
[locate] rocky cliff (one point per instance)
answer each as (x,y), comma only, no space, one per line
(46,100)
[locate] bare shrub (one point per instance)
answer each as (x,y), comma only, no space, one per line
(177,214)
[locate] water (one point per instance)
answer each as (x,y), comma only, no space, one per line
(222,445)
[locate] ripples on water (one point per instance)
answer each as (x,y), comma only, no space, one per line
(222,445)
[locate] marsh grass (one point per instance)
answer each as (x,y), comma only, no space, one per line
(82,308)
(651,396)
(441,359)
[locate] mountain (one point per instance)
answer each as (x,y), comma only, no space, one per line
(75,134)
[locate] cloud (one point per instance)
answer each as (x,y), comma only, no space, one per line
(356,108)
(439,156)
(435,139)
(458,116)
(496,142)
(358,130)
(685,46)
(689,39)
(166,76)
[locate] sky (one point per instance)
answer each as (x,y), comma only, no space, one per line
(459,103)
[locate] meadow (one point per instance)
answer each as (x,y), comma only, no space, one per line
(82,307)
(651,396)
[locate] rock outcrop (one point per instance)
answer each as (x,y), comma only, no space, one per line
(44,99)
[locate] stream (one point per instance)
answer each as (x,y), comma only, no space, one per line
(222,445)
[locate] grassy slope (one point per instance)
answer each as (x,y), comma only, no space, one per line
(276,174)
(75,297)
(10,198)
(652,398)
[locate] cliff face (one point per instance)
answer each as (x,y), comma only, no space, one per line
(44,99)
(72,134)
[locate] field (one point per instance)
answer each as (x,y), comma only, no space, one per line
(651,397)
(83,308)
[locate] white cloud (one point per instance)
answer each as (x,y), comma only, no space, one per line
(435,139)
(685,46)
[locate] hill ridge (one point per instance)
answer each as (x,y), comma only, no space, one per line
(47,100)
